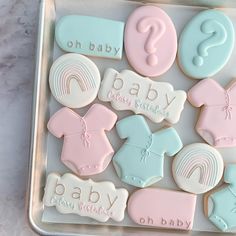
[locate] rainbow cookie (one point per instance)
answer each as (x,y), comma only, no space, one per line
(220,205)
(139,162)
(162,208)
(197,168)
(74,80)
(206,44)
(129,91)
(217,120)
(72,195)
(150,41)
(86,149)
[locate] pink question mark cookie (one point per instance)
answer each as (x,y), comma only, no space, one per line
(150,41)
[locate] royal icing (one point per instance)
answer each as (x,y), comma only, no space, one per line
(74,80)
(89,36)
(209,50)
(162,208)
(223,211)
(72,195)
(129,91)
(86,149)
(197,168)
(139,161)
(217,122)
(150,41)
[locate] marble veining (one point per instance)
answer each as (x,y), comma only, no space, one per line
(18,26)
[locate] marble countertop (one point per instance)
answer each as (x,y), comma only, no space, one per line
(18,29)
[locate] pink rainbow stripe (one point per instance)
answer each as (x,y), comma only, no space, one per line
(203,160)
(72,70)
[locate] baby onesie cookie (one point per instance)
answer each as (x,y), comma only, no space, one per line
(217,121)
(139,162)
(91,36)
(221,205)
(197,168)
(150,41)
(86,149)
(72,195)
(206,44)
(74,80)
(162,208)
(129,91)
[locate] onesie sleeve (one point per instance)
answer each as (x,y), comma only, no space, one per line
(123,127)
(199,93)
(104,116)
(131,126)
(172,141)
(56,124)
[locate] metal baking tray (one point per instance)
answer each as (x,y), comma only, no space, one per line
(41,113)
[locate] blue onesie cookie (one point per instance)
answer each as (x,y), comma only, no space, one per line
(223,214)
(139,161)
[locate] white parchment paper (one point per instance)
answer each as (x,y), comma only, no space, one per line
(120,10)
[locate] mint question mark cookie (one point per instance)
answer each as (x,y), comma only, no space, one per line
(206,44)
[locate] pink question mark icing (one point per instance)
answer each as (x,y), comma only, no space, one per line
(156,28)
(150,41)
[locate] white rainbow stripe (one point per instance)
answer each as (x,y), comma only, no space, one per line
(72,70)
(200,159)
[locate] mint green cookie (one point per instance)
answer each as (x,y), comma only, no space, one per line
(90,36)
(206,44)
(140,161)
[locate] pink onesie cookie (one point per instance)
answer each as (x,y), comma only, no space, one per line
(150,41)
(217,121)
(86,149)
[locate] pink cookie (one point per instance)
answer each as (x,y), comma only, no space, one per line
(217,121)
(86,149)
(162,208)
(150,41)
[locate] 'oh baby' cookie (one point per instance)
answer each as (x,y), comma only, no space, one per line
(163,208)
(129,91)
(74,80)
(221,204)
(198,168)
(72,195)
(139,162)
(217,121)
(91,36)
(86,149)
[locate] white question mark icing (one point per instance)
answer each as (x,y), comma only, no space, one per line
(156,29)
(218,37)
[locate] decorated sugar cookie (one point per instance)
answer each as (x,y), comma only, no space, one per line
(139,161)
(150,41)
(72,195)
(197,168)
(155,207)
(221,205)
(89,36)
(86,149)
(217,120)
(206,44)
(74,80)
(129,91)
